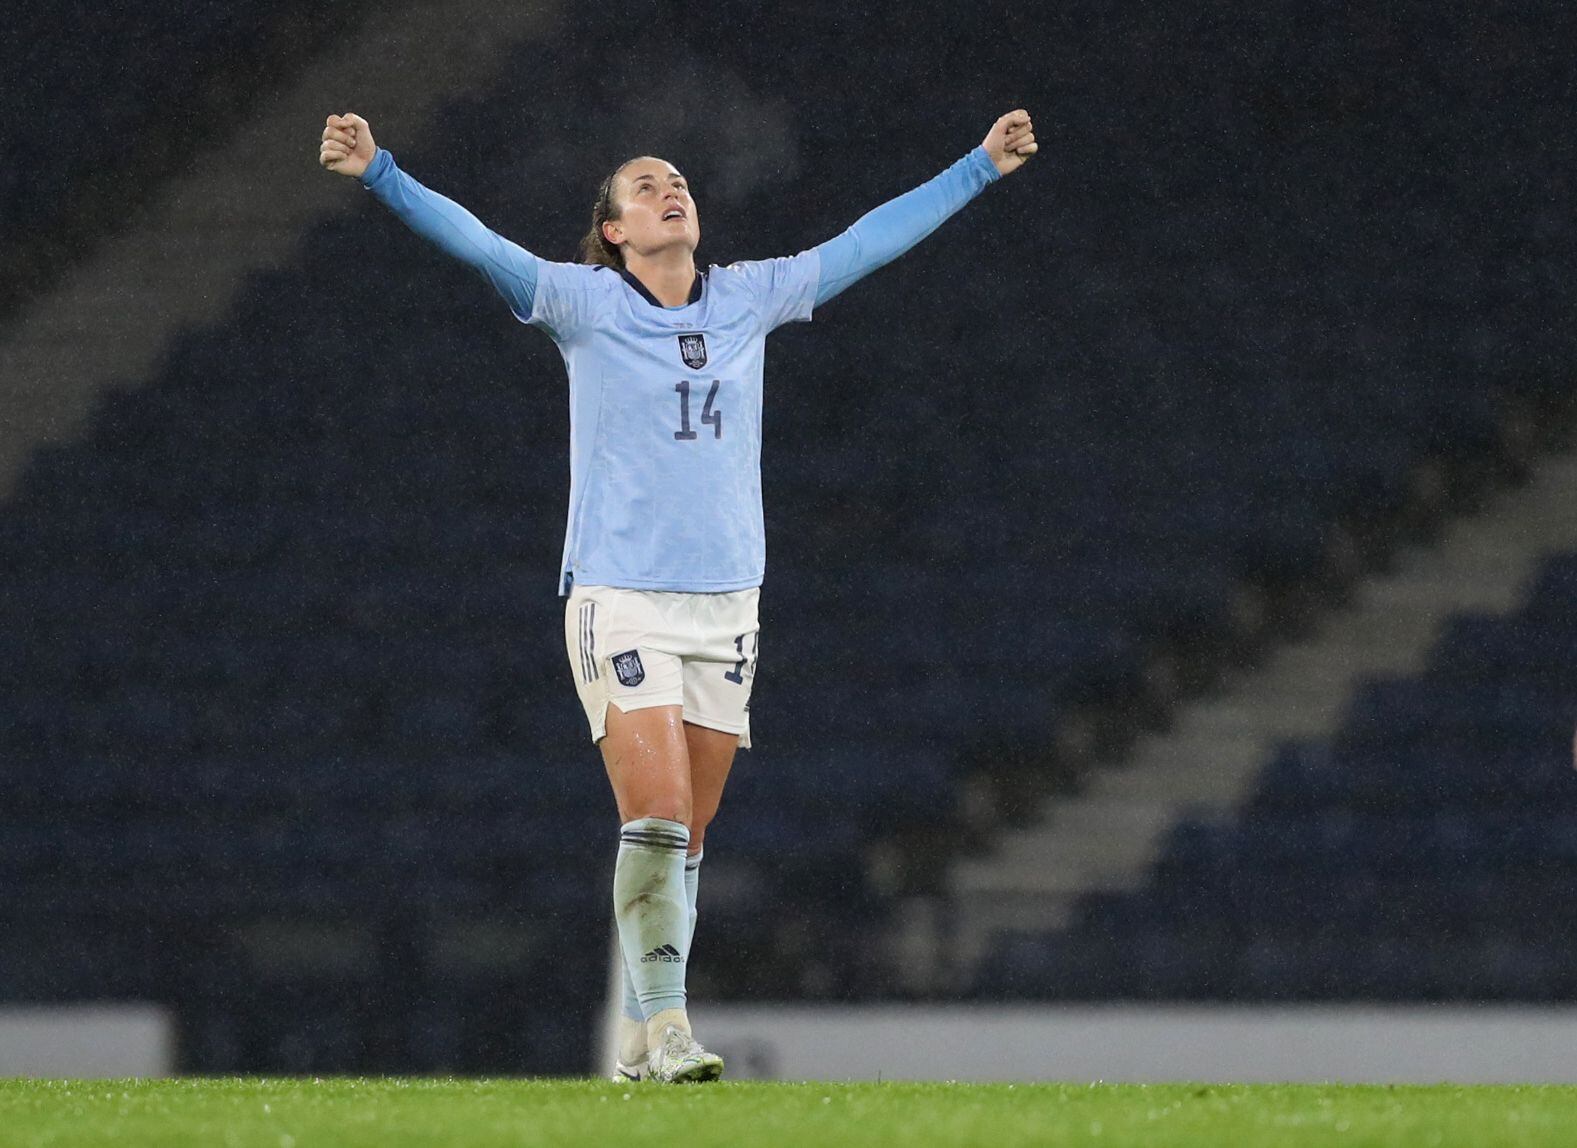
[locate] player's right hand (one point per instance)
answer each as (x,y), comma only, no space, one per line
(347,145)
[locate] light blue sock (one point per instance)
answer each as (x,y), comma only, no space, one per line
(692,877)
(650,909)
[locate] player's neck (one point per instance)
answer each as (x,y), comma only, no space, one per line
(669,274)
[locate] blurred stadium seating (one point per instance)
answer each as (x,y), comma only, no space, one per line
(107,99)
(289,740)
(1425,854)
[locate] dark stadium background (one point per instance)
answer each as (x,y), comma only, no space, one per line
(287,740)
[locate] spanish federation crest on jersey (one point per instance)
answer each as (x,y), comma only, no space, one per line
(692,349)
(628,666)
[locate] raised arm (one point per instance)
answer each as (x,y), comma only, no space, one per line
(880,236)
(348,149)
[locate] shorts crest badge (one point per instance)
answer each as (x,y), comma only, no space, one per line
(628,667)
(692,349)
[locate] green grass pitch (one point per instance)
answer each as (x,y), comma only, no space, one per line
(397,1112)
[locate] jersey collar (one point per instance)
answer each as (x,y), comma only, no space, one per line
(695,288)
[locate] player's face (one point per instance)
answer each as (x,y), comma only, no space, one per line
(655,208)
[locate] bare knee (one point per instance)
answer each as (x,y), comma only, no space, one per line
(702,814)
(668,807)
(648,763)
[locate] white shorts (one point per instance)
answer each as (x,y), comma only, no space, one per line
(642,648)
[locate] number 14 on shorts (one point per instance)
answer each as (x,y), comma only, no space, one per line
(737,674)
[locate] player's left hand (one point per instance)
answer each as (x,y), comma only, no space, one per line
(1011,141)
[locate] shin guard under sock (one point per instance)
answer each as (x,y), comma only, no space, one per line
(651,911)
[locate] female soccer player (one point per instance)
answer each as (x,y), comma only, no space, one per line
(665,548)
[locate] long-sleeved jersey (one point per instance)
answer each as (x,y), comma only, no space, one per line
(665,402)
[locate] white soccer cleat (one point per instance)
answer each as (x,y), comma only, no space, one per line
(630,1062)
(624,1073)
(680,1059)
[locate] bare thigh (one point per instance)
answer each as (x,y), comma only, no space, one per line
(648,762)
(711,757)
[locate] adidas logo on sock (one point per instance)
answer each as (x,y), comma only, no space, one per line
(663,953)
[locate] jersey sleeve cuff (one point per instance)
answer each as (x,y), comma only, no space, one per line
(380,166)
(982,162)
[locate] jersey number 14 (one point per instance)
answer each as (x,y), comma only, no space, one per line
(709,416)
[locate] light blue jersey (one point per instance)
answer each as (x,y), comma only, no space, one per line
(665,402)
(665,417)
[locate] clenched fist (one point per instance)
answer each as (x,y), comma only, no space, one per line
(347,145)
(1010,142)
